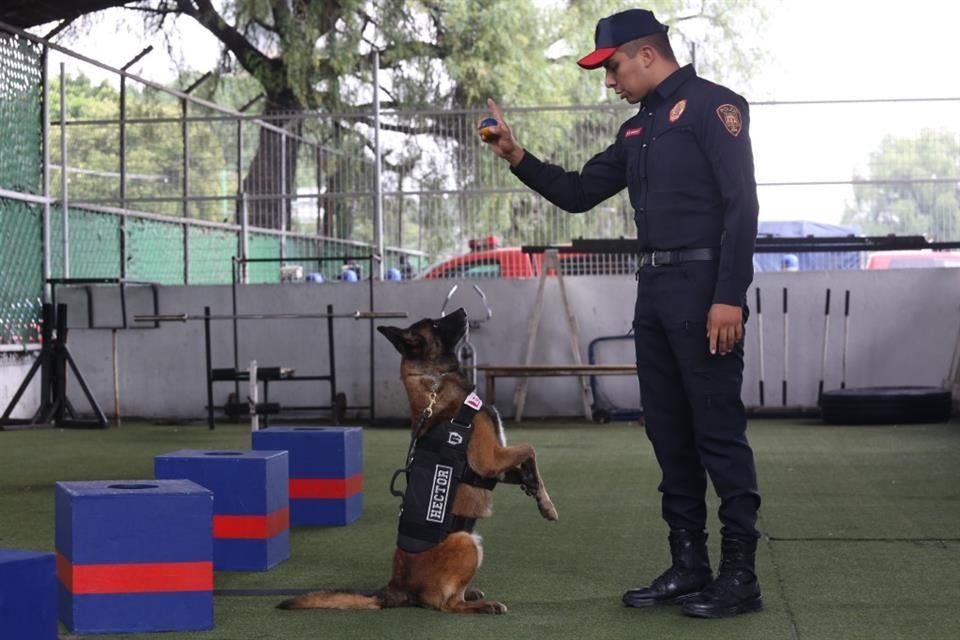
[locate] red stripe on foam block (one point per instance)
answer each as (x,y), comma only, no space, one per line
(326,487)
(149,577)
(251,527)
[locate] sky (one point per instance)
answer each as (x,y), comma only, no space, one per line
(820,50)
(847,50)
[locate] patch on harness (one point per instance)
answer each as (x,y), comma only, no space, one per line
(473,401)
(439,493)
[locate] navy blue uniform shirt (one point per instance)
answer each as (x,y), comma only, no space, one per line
(687,163)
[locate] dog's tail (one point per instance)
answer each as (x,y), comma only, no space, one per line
(342,599)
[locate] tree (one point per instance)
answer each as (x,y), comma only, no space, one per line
(154,167)
(317,55)
(913,188)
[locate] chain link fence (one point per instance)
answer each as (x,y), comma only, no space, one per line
(151,178)
(21,223)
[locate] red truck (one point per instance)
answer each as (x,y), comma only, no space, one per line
(487,259)
(912,259)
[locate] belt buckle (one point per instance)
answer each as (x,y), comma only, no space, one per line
(653,259)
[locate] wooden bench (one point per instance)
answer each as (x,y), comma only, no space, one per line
(494,371)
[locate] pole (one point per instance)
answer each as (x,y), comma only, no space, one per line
(786,352)
(123,175)
(331,350)
(377,168)
(372,374)
(116,378)
(242,276)
(252,398)
(760,342)
(123,158)
(284,201)
(46,173)
(846,333)
(185,185)
(63,171)
(823,356)
(209,359)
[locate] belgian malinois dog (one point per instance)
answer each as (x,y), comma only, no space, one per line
(440,576)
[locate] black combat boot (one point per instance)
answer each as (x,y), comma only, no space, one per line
(689,573)
(736,589)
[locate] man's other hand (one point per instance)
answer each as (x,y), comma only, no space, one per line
(724,327)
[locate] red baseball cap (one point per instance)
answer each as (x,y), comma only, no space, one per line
(617,29)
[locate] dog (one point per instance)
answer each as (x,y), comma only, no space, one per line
(439,576)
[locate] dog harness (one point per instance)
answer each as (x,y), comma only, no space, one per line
(436,465)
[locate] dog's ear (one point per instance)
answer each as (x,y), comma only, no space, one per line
(401,339)
(394,335)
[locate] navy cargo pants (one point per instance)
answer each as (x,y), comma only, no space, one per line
(691,400)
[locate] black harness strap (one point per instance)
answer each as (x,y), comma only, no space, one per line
(436,464)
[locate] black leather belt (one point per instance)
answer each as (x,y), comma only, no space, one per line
(662,258)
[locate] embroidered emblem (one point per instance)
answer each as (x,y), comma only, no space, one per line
(473,401)
(730,117)
(439,492)
(629,133)
(677,110)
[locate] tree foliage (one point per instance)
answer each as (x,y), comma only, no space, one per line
(154,151)
(913,188)
(446,56)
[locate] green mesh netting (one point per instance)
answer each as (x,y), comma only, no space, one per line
(302,248)
(21,130)
(211,253)
(21,283)
(263,246)
(94,244)
(155,251)
(21,224)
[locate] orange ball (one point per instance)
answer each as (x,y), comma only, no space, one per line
(484,128)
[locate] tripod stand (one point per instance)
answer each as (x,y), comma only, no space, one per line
(55,407)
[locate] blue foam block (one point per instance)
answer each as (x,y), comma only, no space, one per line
(250,505)
(242,482)
(108,522)
(326,511)
(251,555)
(135,555)
(28,595)
(138,612)
(316,452)
(320,454)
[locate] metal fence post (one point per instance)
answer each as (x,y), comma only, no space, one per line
(63,170)
(244,238)
(185,185)
(45,107)
(123,175)
(377,170)
(123,158)
(284,201)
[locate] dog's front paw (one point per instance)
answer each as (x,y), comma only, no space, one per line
(496,608)
(547,510)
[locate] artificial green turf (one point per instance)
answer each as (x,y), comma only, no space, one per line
(862,534)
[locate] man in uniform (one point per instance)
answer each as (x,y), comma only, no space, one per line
(687,164)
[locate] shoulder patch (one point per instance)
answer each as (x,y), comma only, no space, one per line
(730,117)
(677,110)
(629,133)
(473,401)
